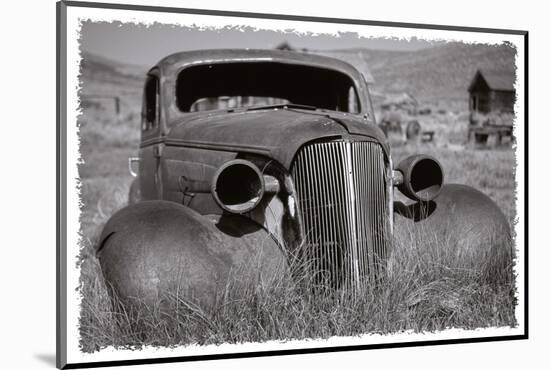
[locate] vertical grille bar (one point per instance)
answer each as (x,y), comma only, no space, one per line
(343,202)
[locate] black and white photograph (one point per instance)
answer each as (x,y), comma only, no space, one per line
(240,184)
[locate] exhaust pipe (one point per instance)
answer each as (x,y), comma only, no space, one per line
(238,186)
(419,177)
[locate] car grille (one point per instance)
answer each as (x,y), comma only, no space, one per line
(343,198)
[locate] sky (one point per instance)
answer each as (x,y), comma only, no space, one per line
(141,45)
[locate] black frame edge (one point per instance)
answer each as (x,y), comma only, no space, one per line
(526,195)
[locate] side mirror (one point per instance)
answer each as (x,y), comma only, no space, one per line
(133,161)
(419,177)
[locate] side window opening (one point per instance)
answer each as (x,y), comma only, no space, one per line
(151,103)
(353,101)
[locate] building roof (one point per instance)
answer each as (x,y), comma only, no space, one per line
(495,79)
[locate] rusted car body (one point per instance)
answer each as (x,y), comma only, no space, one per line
(253,160)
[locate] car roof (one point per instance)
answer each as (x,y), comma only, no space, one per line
(174,62)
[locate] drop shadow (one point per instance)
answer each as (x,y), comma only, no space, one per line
(233,225)
(416,211)
(47,358)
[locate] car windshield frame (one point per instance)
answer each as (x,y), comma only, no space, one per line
(362,103)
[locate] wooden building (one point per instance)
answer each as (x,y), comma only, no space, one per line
(492,92)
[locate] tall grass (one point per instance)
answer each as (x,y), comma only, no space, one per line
(429,284)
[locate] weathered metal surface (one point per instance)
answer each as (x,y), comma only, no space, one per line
(174,62)
(341,188)
(238,186)
(171,65)
(153,251)
(464,219)
(134,195)
(275,133)
(187,174)
(422,177)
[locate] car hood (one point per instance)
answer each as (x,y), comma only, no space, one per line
(277,133)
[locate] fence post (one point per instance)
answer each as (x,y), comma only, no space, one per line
(117,109)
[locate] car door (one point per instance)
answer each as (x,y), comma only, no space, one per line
(151,139)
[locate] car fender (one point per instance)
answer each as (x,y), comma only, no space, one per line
(153,251)
(464,220)
(134,194)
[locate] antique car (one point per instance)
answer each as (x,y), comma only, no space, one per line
(252,161)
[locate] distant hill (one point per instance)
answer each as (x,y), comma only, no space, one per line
(438,73)
(105,76)
(434,75)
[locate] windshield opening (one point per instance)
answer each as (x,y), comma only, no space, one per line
(241,85)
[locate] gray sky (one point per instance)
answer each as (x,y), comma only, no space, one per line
(137,44)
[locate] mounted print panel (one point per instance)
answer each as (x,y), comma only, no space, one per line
(235,184)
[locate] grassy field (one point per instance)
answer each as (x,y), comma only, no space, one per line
(426,287)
